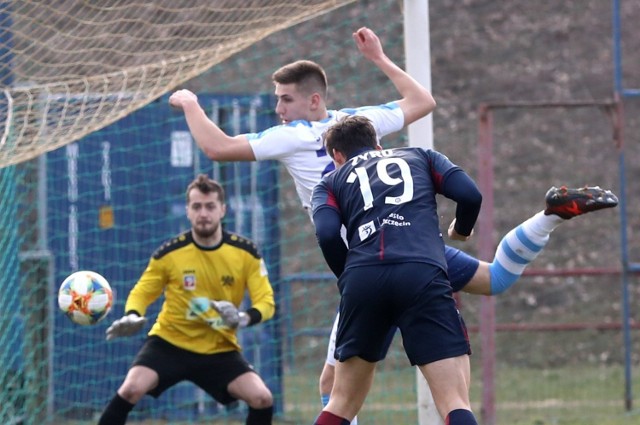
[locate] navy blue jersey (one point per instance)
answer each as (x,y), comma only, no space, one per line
(386,199)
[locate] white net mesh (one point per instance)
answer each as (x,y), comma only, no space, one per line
(72,67)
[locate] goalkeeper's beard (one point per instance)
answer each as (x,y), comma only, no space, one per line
(205,231)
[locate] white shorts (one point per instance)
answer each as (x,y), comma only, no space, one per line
(331,347)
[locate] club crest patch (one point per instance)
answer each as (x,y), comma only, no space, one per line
(189,282)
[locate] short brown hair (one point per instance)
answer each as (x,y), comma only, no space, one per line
(307,75)
(349,135)
(206,185)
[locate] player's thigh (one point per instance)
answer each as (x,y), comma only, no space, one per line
(330,361)
(449,383)
(139,381)
(215,373)
(250,388)
(169,363)
(464,271)
(431,326)
(366,313)
(480,283)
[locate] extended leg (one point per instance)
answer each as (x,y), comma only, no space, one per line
(523,244)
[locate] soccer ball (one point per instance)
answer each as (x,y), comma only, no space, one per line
(85,297)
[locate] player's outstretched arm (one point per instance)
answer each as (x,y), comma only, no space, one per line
(416,100)
(214,142)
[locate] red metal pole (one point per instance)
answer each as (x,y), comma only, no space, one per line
(486,248)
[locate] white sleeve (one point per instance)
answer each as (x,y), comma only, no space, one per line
(386,119)
(283,141)
(275,143)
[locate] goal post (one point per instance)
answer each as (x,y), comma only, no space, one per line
(418,58)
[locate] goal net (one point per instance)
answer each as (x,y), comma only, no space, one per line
(72,67)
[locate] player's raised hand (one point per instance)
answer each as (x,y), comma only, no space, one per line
(181,98)
(125,326)
(368,43)
(230,314)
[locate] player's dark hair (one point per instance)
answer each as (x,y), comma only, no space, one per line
(205,185)
(349,135)
(308,76)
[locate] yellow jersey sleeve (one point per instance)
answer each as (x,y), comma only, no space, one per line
(260,290)
(148,289)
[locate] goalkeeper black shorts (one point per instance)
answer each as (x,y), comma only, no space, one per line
(211,372)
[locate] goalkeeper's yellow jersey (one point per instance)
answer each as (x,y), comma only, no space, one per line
(190,276)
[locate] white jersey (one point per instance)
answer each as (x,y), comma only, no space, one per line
(298,145)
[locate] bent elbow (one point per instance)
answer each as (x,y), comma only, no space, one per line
(430,103)
(426,106)
(210,153)
(213,152)
(473,200)
(475,197)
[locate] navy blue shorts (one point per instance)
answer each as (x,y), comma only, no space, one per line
(415,297)
(461,267)
(211,372)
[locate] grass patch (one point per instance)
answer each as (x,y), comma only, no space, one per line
(524,396)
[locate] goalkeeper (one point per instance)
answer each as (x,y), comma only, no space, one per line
(204,274)
(301,90)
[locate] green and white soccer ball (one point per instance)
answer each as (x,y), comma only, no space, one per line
(85,297)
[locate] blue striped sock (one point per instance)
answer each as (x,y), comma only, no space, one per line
(518,249)
(325,399)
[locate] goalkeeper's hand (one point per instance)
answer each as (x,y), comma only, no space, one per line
(230,314)
(125,326)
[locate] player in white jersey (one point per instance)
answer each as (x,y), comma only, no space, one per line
(298,144)
(301,90)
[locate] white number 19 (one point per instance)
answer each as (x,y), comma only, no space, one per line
(381,170)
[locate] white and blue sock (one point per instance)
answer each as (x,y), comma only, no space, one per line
(518,248)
